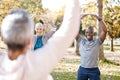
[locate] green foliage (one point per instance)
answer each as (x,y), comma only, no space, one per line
(90,8)
(112,20)
(6,6)
(111,15)
(34,7)
(58,17)
(89,21)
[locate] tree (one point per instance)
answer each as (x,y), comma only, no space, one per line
(34,7)
(100,11)
(89,21)
(112,19)
(90,8)
(6,6)
(58,17)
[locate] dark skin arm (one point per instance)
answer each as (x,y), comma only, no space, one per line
(77,36)
(103,26)
(81,17)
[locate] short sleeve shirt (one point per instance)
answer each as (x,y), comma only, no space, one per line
(89,51)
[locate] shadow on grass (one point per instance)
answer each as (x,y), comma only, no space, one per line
(111,62)
(73,76)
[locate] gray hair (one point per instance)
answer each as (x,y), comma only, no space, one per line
(38,25)
(17,27)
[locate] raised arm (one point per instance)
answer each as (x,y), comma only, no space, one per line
(81,17)
(65,35)
(53,51)
(50,33)
(103,26)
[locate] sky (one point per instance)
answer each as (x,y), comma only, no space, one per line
(53,4)
(57,4)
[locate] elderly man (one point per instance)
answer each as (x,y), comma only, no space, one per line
(23,64)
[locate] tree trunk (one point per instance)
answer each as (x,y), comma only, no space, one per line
(100,7)
(76,46)
(111,45)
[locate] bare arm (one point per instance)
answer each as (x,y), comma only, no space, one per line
(50,54)
(103,26)
(77,36)
(50,33)
(104,30)
(81,17)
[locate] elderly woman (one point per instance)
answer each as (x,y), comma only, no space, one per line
(20,63)
(40,38)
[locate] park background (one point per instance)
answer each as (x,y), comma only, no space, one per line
(53,10)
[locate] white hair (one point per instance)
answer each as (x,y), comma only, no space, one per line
(38,25)
(17,27)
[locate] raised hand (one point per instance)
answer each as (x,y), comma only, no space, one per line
(94,15)
(83,15)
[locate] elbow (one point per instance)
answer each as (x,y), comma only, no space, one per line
(105,32)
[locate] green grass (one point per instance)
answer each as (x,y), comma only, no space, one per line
(67,68)
(115,47)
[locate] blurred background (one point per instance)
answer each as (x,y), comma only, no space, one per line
(53,10)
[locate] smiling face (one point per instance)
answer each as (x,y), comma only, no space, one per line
(39,31)
(89,33)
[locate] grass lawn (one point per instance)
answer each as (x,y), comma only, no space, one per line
(67,68)
(116,48)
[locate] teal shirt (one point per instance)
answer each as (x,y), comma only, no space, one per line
(38,43)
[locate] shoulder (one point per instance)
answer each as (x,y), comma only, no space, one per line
(81,38)
(98,40)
